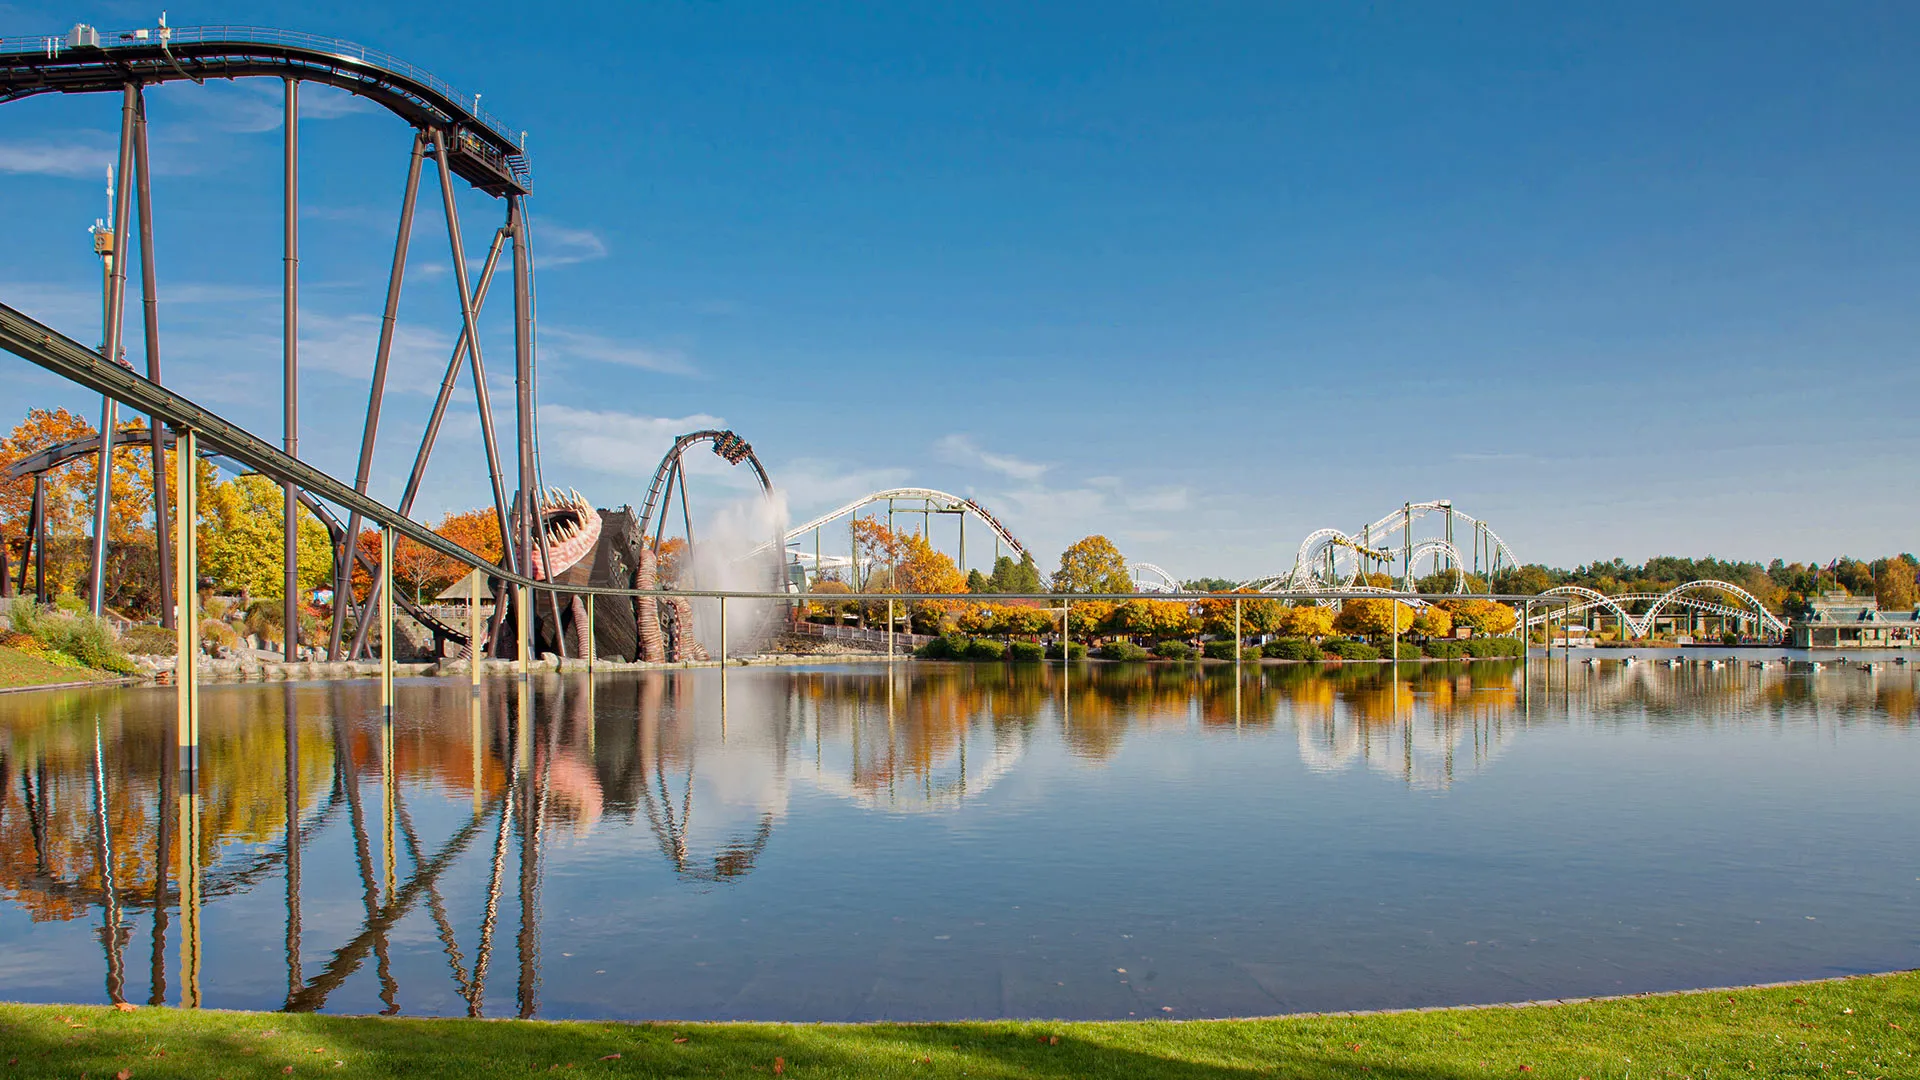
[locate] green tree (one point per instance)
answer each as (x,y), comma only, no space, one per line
(1092,565)
(977,582)
(1442,581)
(1015,577)
(1529,580)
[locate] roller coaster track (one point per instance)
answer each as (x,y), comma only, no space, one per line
(485,151)
(1143,572)
(941,502)
(726,445)
(1330,558)
(451,133)
(1747,606)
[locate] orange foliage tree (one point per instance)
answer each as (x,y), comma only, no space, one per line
(69,502)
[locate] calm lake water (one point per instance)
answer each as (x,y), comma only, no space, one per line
(964,841)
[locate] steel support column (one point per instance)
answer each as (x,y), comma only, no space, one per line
(290,361)
(522,378)
(468,315)
(187,629)
(150,304)
(111,323)
(427,440)
(386,623)
(38,537)
(377,392)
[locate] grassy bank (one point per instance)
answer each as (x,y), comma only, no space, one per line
(1864,1027)
(21,669)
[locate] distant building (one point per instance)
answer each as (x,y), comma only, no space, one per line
(1841,621)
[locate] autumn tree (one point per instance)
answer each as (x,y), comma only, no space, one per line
(670,560)
(1893,584)
(1092,565)
(877,551)
(69,493)
(1433,621)
(829,586)
(1373,617)
(1482,616)
(924,569)
(1155,620)
(242,543)
(1259,613)
(1312,621)
(427,572)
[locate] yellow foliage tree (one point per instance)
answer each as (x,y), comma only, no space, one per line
(1374,617)
(1483,616)
(1433,621)
(1092,565)
(242,543)
(1313,621)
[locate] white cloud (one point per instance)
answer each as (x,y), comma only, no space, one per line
(84,156)
(814,486)
(563,246)
(251,107)
(962,450)
(74,312)
(580,345)
(614,443)
(1048,519)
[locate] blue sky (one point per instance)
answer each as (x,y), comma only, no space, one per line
(1629,281)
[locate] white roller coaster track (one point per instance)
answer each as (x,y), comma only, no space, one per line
(1640,625)
(1376,540)
(948,503)
(1140,571)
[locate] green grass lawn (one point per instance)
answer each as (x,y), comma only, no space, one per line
(1863,1027)
(22,669)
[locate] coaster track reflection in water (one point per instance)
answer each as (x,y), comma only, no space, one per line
(643,846)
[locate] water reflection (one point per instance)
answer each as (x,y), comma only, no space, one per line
(402,846)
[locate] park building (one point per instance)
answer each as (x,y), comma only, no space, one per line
(1838,620)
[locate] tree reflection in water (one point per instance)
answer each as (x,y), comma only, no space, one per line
(706,762)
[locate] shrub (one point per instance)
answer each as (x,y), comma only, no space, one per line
(944,647)
(1223,650)
(1122,650)
(149,640)
(1351,650)
(1292,648)
(78,636)
(1443,649)
(1075,651)
(1026,652)
(1173,650)
(217,632)
(986,649)
(1408,651)
(1495,646)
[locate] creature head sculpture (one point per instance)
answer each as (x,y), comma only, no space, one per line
(571,528)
